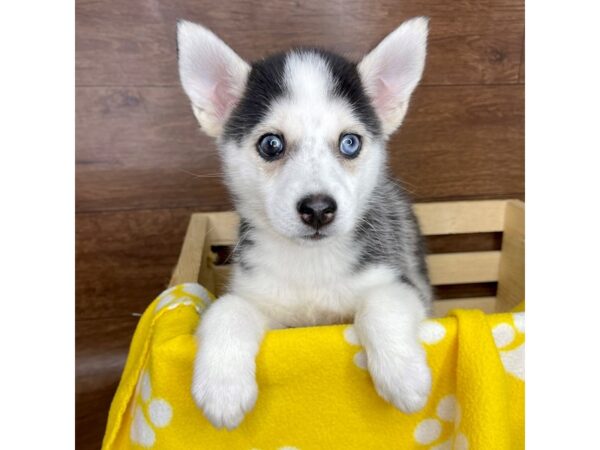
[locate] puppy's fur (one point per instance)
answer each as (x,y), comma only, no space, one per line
(367,265)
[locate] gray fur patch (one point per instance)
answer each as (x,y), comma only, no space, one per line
(388,233)
(245,241)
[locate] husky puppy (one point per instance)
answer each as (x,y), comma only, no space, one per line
(325,235)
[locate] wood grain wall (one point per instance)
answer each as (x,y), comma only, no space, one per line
(142,165)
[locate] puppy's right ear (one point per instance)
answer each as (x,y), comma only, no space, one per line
(213,76)
(392,70)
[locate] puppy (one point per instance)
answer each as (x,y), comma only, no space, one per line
(325,235)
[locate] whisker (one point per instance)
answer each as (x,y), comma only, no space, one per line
(197,175)
(242,237)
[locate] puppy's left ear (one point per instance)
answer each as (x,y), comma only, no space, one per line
(212,75)
(392,70)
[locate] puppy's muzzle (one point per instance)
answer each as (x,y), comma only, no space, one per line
(317,210)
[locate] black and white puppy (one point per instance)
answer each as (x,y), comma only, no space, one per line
(326,236)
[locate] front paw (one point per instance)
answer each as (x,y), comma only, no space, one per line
(225,400)
(402,380)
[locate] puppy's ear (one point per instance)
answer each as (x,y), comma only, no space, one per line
(392,70)
(213,76)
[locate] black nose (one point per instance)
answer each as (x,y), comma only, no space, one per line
(317,210)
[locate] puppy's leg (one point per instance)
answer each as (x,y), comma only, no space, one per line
(387,324)
(224,383)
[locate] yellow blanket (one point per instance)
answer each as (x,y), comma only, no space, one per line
(314,391)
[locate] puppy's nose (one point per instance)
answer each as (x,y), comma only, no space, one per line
(317,210)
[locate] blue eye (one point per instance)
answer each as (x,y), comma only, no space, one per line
(271,147)
(350,145)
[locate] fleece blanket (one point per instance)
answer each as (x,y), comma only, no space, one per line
(315,392)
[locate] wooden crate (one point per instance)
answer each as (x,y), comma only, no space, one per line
(505,266)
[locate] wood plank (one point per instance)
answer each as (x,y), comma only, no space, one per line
(441,308)
(473,242)
(522,65)
(224,227)
(192,251)
(461,268)
(511,280)
(461,217)
(459,141)
(133,42)
(101,350)
(125,259)
(142,153)
(456,291)
(129,189)
(149,128)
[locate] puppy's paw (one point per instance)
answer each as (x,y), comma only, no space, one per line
(403,381)
(225,400)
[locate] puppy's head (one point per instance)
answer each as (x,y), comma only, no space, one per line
(302,134)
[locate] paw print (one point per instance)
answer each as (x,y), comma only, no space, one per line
(510,340)
(433,429)
(157,410)
(184,294)
(431,332)
(360,357)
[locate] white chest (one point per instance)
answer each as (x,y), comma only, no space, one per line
(301,286)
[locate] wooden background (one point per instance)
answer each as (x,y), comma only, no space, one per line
(142,165)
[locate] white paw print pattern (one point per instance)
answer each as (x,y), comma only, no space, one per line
(158,411)
(505,335)
(430,430)
(184,294)
(431,332)
(360,357)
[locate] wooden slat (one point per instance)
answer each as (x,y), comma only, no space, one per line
(511,280)
(457,291)
(140,148)
(223,228)
(459,268)
(471,242)
(461,217)
(442,307)
(190,257)
(133,42)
